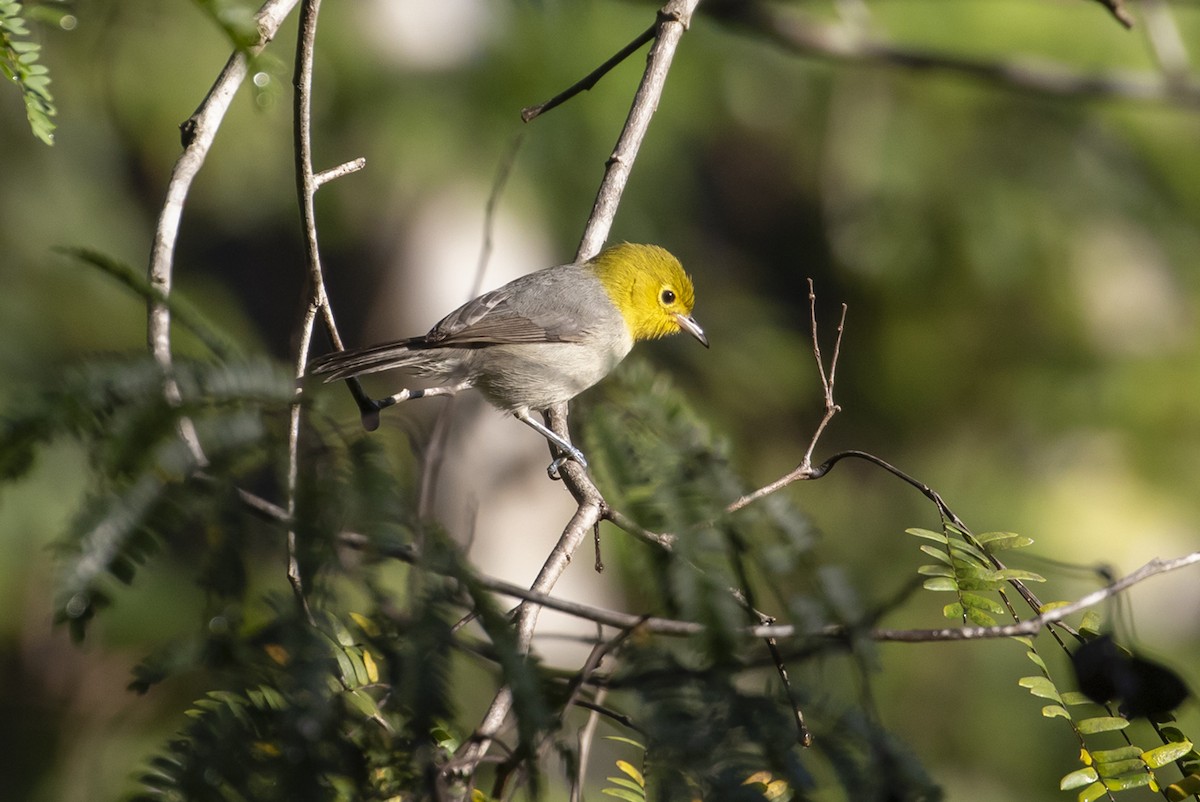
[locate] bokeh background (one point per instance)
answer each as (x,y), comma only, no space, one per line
(1022,273)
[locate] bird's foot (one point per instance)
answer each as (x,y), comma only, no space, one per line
(573,454)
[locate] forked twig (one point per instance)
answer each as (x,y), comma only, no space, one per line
(307,183)
(804,469)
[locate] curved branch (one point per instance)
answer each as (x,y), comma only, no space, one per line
(198,133)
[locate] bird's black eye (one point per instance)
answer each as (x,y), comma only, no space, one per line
(668,296)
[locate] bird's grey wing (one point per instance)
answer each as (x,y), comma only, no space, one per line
(514,313)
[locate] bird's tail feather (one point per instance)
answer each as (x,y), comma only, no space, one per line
(358,361)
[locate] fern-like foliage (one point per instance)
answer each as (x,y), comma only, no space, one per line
(19,63)
(964,567)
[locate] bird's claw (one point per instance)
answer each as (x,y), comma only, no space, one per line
(575,454)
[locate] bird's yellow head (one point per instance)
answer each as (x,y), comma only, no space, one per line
(651,290)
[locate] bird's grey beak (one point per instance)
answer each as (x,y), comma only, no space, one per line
(689,324)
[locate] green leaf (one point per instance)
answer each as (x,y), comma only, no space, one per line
(1002,541)
(1091,726)
(1093,792)
(1036,659)
(1116,755)
(928,535)
(983,603)
(979,617)
(1041,687)
(962,547)
(625,782)
(1077,778)
(1139,780)
(1121,768)
(953,611)
(940,583)
(1092,623)
(936,553)
(623,740)
(628,768)
(1018,574)
(364,704)
(1075,698)
(1167,753)
(935,570)
(1056,711)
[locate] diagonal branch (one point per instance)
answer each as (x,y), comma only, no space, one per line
(585,84)
(673,20)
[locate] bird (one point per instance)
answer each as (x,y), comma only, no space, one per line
(540,339)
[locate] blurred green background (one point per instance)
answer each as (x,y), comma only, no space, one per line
(1021,273)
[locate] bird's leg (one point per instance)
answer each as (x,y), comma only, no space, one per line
(569,450)
(370,409)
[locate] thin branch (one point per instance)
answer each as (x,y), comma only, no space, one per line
(804,469)
(333,173)
(837,43)
(588,81)
(307,184)
(673,21)
(678,628)
(198,133)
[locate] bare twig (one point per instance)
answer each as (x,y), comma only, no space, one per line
(673,20)
(804,469)
(807,37)
(325,176)
(587,735)
(198,132)
(676,628)
(585,84)
(307,183)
